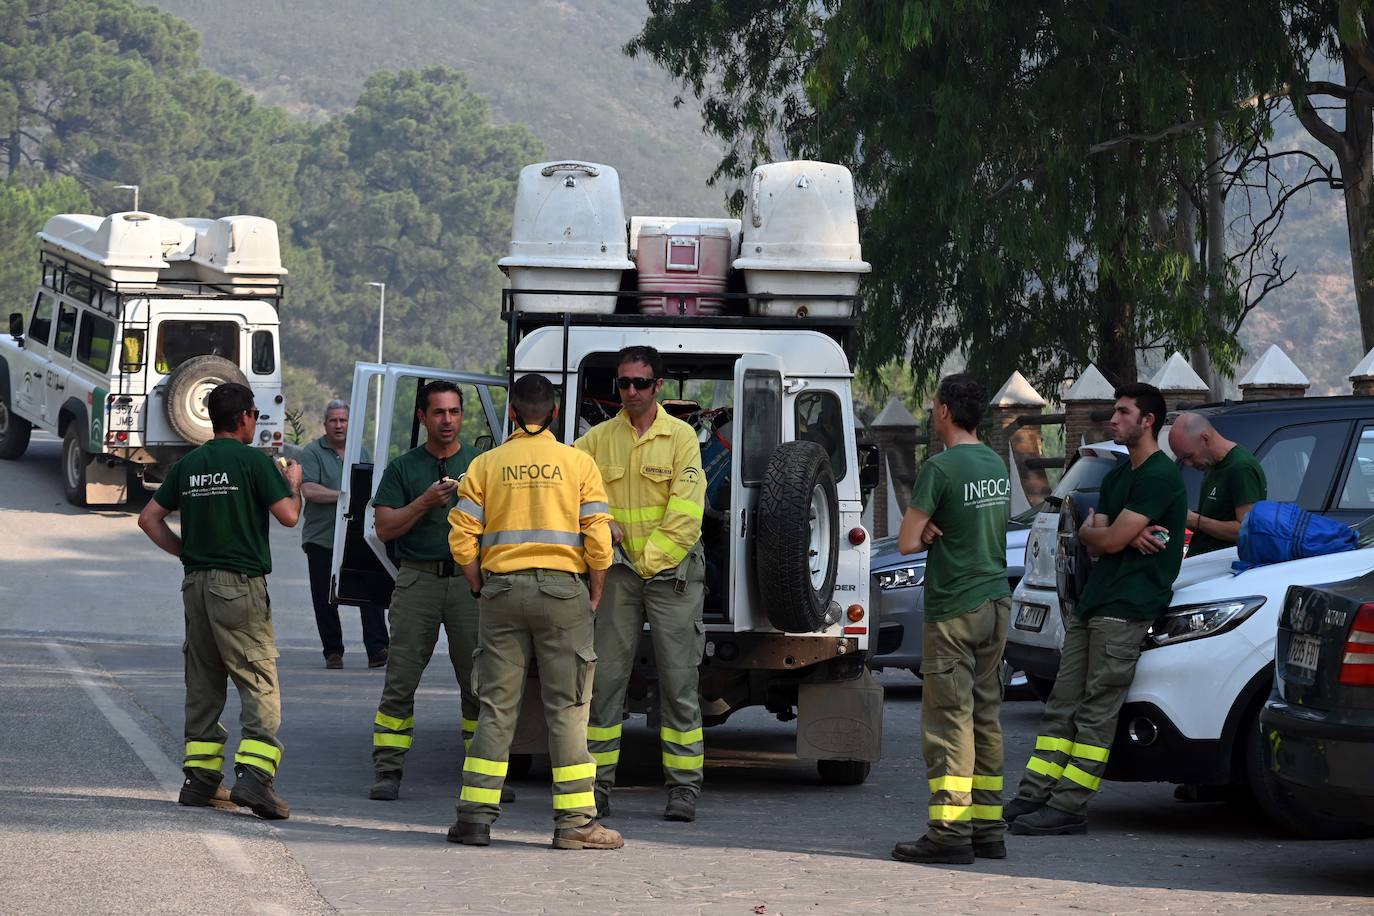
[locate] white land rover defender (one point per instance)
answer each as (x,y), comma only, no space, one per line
(765,377)
(136,320)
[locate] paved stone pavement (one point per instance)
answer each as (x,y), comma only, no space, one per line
(90,718)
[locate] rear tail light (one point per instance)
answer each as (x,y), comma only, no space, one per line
(1357,663)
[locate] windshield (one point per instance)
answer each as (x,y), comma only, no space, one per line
(1084,474)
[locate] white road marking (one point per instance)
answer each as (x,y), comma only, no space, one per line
(225,848)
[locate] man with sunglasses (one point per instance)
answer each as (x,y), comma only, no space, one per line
(651,463)
(224,491)
(412,503)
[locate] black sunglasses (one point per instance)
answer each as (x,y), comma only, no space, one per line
(255,412)
(625,381)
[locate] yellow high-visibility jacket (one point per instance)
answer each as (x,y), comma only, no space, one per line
(532,503)
(655,484)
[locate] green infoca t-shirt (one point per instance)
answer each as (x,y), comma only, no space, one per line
(966,493)
(223,490)
(1237,480)
(1131,584)
(405,478)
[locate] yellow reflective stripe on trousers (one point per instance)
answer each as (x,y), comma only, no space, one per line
(485,767)
(1090,752)
(393,723)
(951,812)
(1046,743)
(574,771)
(563,800)
(205,763)
(993,783)
(630,516)
(1084,779)
(679,762)
(684,507)
(951,783)
(987,812)
(204,748)
(677,737)
(382,739)
(606,758)
(480,796)
(671,550)
(1044,767)
(469,725)
(606,733)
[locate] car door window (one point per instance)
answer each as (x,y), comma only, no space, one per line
(820,420)
(94,342)
(40,325)
(1357,492)
(1300,462)
(66,330)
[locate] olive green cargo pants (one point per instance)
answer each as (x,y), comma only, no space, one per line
(421,603)
(1096,667)
(229,636)
(542,616)
(671,602)
(961,732)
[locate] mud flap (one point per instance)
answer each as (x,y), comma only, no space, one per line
(840,720)
(106,485)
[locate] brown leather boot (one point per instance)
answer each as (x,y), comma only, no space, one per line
(589,836)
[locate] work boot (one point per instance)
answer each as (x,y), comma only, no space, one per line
(387,786)
(377,659)
(255,793)
(993,849)
(603,800)
(333,661)
(470,834)
(1020,807)
(507,795)
(197,793)
(682,805)
(589,836)
(1049,822)
(926,851)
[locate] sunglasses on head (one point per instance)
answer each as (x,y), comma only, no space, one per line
(625,381)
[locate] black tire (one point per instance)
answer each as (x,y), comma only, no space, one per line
(186,391)
(74,462)
(796,548)
(14,432)
(1278,804)
(1040,686)
(843,772)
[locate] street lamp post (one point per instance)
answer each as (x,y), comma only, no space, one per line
(129,187)
(381,323)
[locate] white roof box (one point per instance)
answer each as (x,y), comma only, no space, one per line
(242,249)
(801,216)
(128,248)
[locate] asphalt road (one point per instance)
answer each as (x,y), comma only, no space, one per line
(90,723)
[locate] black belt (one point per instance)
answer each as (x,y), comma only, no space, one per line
(444,569)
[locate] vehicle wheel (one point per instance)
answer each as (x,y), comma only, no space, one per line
(519,766)
(1040,686)
(187,389)
(74,462)
(14,433)
(797,546)
(843,772)
(1279,805)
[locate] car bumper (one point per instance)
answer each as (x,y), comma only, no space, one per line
(1150,748)
(901,616)
(1326,765)
(1037,661)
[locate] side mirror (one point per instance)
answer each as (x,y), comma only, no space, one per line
(483,443)
(869,456)
(17,325)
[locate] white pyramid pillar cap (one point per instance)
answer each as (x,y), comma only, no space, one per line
(1366,367)
(1091,385)
(1017,392)
(1274,370)
(1177,375)
(895,414)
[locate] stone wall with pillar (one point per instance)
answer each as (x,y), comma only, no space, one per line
(894,430)
(1362,376)
(1181,386)
(1090,395)
(1014,444)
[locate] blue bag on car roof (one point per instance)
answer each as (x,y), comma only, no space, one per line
(1277,532)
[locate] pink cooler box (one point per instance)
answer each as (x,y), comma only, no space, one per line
(690,261)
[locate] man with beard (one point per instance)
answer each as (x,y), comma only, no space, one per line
(1233,482)
(1143,498)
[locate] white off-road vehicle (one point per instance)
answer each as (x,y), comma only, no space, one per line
(137,318)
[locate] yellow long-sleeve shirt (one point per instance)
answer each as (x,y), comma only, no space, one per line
(655,484)
(532,503)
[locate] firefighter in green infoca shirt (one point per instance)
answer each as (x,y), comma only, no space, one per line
(224,491)
(958,512)
(1233,482)
(1143,505)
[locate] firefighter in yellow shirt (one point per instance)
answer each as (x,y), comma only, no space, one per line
(537,510)
(651,463)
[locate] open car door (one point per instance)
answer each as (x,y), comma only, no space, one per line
(363,571)
(757,432)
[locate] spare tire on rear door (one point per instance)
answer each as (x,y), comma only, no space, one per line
(187,389)
(797,542)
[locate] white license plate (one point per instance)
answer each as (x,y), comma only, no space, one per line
(1304,651)
(1031,617)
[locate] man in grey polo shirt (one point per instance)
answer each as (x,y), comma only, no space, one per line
(322,467)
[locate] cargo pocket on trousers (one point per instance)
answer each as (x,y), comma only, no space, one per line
(586,671)
(255,655)
(938,689)
(234,609)
(475,683)
(1118,665)
(699,634)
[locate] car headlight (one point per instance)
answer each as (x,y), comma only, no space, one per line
(902,577)
(1195,621)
